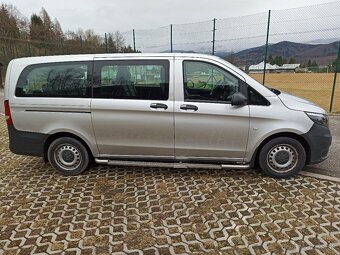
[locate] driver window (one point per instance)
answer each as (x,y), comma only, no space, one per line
(207,82)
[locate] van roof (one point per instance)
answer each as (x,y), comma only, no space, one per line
(87,57)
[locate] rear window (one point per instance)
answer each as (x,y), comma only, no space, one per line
(55,80)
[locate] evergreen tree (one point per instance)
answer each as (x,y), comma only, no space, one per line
(8,23)
(36,28)
(270,60)
(309,63)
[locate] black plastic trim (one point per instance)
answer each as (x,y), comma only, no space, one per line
(26,143)
(319,139)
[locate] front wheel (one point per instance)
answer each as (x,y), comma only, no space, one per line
(282,157)
(68,156)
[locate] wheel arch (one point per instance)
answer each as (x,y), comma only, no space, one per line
(301,139)
(57,135)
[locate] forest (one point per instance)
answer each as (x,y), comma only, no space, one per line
(40,34)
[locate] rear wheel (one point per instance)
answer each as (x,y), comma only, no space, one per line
(68,156)
(282,157)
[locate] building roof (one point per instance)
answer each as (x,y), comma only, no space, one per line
(260,66)
(290,66)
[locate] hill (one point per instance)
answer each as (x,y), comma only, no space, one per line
(323,54)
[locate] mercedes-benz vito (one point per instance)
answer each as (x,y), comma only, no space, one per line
(182,110)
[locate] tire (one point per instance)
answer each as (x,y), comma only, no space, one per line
(282,157)
(68,156)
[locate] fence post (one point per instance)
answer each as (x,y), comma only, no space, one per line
(336,70)
(171,38)
(134,40)
(106,44)
(266,50)
(213,41)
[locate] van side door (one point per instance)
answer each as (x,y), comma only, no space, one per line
(132,108)
(207,126)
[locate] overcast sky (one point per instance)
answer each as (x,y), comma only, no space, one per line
(111,15)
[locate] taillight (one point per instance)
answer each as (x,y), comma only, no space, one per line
(8,113)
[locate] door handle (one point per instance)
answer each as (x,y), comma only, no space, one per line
(189,107)
(158,105)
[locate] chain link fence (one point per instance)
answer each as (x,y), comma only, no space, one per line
(300,47)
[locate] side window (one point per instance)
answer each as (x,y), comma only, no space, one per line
(140,80)
(207,82)
(255,98)
(55,80)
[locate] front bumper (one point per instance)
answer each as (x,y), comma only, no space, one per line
(319,139)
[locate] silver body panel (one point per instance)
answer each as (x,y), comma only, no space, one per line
(217,132)
(130,129)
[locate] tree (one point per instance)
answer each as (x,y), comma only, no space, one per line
(314,64)
(309,63)
(57,29)
(36,28)
(278,60)
(111,43)
(231,58)
(292,61)
(8,22)
(270,60)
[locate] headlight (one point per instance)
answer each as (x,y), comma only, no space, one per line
(318,118)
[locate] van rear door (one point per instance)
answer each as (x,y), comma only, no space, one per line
(132,108)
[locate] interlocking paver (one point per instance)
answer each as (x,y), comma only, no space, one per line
(132,210)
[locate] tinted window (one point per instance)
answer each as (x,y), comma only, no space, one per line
(255,98)
(141,80)
(207,82)
(55,80)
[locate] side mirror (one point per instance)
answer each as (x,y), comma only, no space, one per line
(238,99)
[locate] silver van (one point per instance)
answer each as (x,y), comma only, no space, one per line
(180,110)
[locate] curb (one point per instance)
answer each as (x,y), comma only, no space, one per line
(320,176)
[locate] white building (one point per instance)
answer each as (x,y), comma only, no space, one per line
(259,68)
(273,68)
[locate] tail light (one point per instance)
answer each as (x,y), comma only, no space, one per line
(8,113)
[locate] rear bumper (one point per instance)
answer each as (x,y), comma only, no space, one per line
(26,143)
(319,139)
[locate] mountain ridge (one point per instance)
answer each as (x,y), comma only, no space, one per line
(323,54)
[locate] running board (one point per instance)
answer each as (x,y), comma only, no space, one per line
(169,165)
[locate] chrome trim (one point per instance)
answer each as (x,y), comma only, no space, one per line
(169,164)
(209,159)
(236,166)
(133,157)
(101,161)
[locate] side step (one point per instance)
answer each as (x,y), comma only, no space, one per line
(169,165)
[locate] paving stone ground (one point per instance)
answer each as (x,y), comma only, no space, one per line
(120,210)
